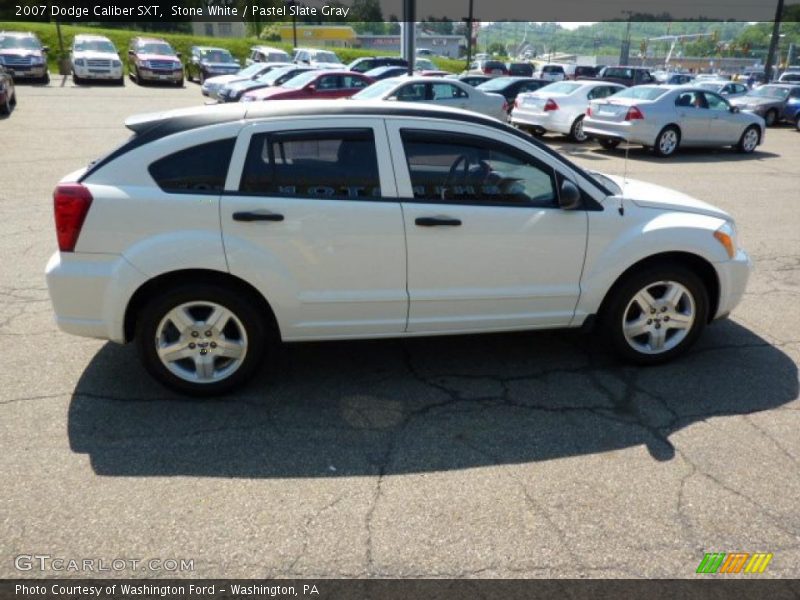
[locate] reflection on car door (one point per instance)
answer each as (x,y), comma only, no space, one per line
(446,94)
(309,206)
(724,127)
(694,118)
(488,247)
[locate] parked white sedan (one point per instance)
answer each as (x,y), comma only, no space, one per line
(439,91)
(560,107)
(665,118)
(217,231)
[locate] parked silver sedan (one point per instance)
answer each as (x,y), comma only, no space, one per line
(436,90)
(729,89)
(665,118)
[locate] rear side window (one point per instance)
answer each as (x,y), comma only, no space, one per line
(197,170)
(334,164)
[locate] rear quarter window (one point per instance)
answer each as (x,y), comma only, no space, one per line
(200,169)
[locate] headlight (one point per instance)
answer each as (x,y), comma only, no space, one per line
(726,235)
(79,62)
(37,60)
(117,63)
(144,64)
(177,66)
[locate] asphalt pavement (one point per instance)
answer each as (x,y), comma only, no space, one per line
(522,455)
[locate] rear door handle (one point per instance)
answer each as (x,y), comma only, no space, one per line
(249,216)
(437,222)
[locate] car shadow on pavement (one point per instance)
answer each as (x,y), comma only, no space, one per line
(421,405)
(592,151)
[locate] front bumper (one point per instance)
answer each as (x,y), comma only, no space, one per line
(85,72)
(25,72)
(90,292)
(733,276)
(160,74)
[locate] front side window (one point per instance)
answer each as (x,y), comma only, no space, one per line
(463,169)
(197,170)
(413,92)
(334,164)
(716,103)
(352,82)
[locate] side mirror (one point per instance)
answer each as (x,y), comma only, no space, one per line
(45,49)
(569,196)
(311,87)
(178,54)
(735,109)
(130,52)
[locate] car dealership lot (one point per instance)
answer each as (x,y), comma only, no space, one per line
(505,455)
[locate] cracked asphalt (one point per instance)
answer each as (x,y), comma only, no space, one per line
(524,455)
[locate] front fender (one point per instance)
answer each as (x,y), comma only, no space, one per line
(614,247)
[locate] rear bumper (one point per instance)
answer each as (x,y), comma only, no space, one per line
(549,121)
(635,132)
(733,276)
(90,293)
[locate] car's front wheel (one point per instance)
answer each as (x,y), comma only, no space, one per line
(656,313)
(576,132)
(771,117)
(667,141)
(201,340)
(749,140)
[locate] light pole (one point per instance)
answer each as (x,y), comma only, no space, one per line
(773,44)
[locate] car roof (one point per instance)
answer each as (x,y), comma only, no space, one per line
(211,48)
(149,39)
(18,33)
(90,36)
(261,47)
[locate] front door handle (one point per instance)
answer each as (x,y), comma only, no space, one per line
(437,222)
(250,216)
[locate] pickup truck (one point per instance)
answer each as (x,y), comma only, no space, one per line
(627,76)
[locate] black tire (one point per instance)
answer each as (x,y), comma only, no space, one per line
(619,304)
(771,118)
(609,143)
(179,83)
(137,76)
(14,99)
(743,145)
(46,78)
(121,81)
(240,305)
(661,147)
(202,77)
(76,80)
(576,131)
(5,107)
(797,122)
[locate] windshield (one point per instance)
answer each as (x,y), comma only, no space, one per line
(156,48)
(562,87)
(216,55)
(273,76)
(95,46)
(300,80)
(376,90)
(712,86)
(496,84)
(766,91)
(13,42)
(424,64)
(252,70)
(790,77)
(328,57)
(641,92)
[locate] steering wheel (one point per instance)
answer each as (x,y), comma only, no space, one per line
(454,169)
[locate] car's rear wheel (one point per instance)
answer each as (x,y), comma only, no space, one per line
(667,141)
(201,340)
(797,121)
(202,77)
(608,143)
(656,313)
(576,132)
(5,108)
(749,140)
(771,117)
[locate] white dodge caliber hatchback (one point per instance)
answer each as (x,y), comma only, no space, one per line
(217,231)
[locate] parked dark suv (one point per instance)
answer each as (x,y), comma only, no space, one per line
(23,56)
(367,63)
(627,76)
(206,62)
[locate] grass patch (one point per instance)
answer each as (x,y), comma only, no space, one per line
(239,47)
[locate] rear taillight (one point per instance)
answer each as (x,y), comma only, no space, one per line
(588,111)
(71,202)
(634,114)
(487,71)
(550,105)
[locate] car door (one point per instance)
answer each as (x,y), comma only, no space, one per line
(488,248)
(447,94)
(724,126)
(694,118)
(310,216)
(327,87)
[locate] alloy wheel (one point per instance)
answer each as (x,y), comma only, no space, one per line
(659,317)
(201,342)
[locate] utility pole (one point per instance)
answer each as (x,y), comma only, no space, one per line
(624,54)
(469,20)
(773,44)
(408,33)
